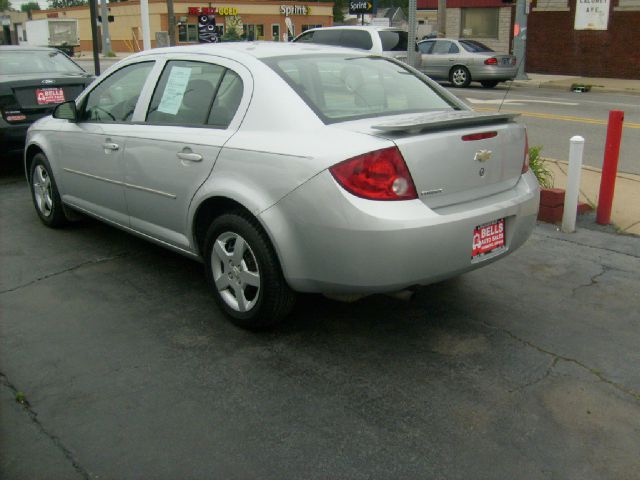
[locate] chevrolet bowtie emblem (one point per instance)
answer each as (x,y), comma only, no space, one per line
(483,155)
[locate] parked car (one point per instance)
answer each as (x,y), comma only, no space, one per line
(387,41)
(288,168)
(463,61)
(32,82)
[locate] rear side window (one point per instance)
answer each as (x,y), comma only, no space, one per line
(356,39)
(305,37)
(326,37)
(393,41)
(195,93)
(474,46)
(346,87)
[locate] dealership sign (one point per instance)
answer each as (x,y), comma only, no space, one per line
(213,11)
(360,6)
(591,15)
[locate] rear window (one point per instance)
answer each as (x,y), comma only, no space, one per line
(339,37)
(394,40)
(474,46)
(346,87)
(14,62)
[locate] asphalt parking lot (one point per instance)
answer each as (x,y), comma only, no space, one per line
(528,368)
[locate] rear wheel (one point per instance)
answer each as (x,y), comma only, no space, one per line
(489,83)
(244,272)
(459,76)
(44,192)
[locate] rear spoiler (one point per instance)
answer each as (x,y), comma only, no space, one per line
(443,121)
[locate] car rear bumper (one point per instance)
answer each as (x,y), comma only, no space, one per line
(332,242)
(12,136)
(491,72)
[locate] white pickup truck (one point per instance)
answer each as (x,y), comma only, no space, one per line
(59,33)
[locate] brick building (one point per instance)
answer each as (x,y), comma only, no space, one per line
(609,47)
(488,21)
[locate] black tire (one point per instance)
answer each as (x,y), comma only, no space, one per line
(264,305)
(44,193)
(489,83)
(459,76)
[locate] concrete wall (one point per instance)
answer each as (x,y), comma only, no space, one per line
(554,47)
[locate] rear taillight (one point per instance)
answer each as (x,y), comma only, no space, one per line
(491,61)
(379,175)
(478,136)
(525,163)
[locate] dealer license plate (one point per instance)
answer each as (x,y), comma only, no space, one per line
(488,238)
(45,96)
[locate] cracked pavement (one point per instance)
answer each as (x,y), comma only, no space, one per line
(527,368)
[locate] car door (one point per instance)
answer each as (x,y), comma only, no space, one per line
(171,149)
(442,58)
(90,150)
(425,49)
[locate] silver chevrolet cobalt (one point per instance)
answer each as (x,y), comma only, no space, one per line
(288,168)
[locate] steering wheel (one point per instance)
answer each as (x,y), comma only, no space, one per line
(99,108)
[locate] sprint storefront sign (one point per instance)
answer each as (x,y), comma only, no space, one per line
(360,6)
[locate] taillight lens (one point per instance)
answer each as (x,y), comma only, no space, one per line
(491,61)
(378,175)
(525,163)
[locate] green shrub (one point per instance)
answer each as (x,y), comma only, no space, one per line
(537,166)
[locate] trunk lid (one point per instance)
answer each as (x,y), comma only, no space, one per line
(447,169)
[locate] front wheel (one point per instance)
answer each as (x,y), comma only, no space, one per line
(244,272)
(489,83)
(44,192)
(459,76)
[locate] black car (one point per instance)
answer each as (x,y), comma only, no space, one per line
(33,81)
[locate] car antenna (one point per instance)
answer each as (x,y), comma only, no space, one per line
(509,87)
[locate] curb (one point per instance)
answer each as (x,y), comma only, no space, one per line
(567,88)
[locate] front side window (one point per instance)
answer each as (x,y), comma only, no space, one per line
(443,47)
(195,94)
(479,22)
(426,47)
(115,98)
(347,87)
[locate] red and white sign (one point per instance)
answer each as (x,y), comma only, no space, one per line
(488,238)
(45,96)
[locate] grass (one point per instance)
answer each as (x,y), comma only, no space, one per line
(537,166)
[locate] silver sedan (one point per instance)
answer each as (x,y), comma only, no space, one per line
(287,168)
(463,61)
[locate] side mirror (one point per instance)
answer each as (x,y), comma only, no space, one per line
(66,111)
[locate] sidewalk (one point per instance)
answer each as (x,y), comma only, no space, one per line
(625,214)
(564,82)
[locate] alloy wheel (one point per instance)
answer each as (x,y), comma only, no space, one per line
(42,190)
(235,271)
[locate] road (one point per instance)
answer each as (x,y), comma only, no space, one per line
(527,368)
(553,116)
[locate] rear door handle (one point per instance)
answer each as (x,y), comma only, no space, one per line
(189,156)
(110,146)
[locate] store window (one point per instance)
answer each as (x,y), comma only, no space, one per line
(479,22)
(253,31)
(188,33)
(275,32)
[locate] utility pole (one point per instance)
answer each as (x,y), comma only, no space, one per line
(144,17)
(172,23)
(106,39)
(94,36)
(442,18)
(520,37)
(411,43)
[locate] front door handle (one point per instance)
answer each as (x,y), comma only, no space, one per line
(189,156)
(110,146)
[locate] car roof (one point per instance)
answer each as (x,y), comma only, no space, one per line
(376,28)
(258,49)
(24,48)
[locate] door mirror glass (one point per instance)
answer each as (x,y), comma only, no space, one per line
(66,111)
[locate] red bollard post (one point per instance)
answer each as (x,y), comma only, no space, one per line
(609,167)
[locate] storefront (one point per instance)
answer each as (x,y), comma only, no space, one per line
(252,20)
